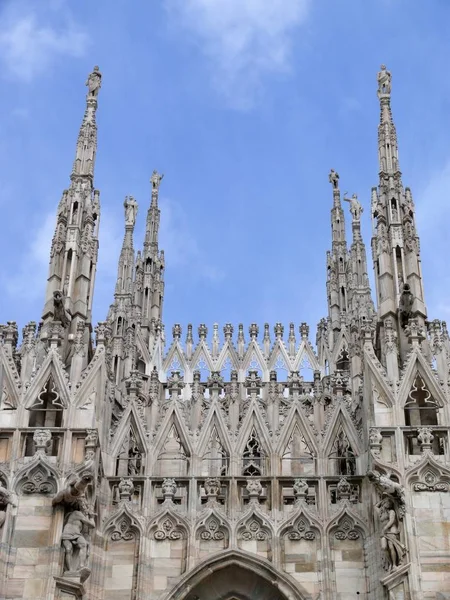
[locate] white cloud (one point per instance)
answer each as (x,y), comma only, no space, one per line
(243,39)
(35,35)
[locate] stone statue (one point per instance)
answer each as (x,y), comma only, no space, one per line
(355,207)
(394,550)
(384,81)
(333,178)
(59,312)
(75,542)
(391,510)
(94,83)
(5,499)
(155,180)
(74,494)
(131,208)
(405,305)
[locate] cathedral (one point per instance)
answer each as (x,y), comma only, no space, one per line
(144,463)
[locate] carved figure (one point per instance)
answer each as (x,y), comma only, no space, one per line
(391,507)
(394,550)
(5,499)
(405,305)
(355,207)
(384,81)
(75,542)
(333,178)
(59,312)
(155,180)
(73,495)
(94,83)
(131,208)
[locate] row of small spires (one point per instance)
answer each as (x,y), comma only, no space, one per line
(253,331)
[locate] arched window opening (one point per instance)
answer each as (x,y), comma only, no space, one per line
(253,457)
(173,457)
(343,361)
(215,460)
(342,456)
(74,218)
(298,458)
(47,410)
(420,408)
(129,461)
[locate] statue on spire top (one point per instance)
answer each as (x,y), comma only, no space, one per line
(131,208)
(384,81)
(155,180)
(94,83)
(333,178)
(355,207)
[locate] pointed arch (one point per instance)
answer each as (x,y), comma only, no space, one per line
(175,360)
(123,533)
(129,447)
(212,532)
(254,534)
(172,451)
(36,477)
(254,360)
(417,366)
(279,361)
(51,367)
(201,360)
(306,361)
(429,475)
(253,445)
(237,568)
(214,448)
(227,361)
(341,444)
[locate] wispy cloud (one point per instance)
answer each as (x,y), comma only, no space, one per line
(181,246)
(34,35)
(242,39)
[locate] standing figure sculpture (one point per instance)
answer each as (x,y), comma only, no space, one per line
(391,509)
(384,81)
(333,178)
(94,83)
(394,550)
(355,207)
(75,542)
(131,208)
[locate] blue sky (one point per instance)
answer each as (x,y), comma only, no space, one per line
(244,105)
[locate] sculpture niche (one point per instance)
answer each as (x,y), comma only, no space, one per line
(391,509)
(78,522)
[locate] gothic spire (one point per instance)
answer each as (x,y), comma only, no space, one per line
(126,259)
(395,244)
(150,267)
(337,259)
(73,254)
